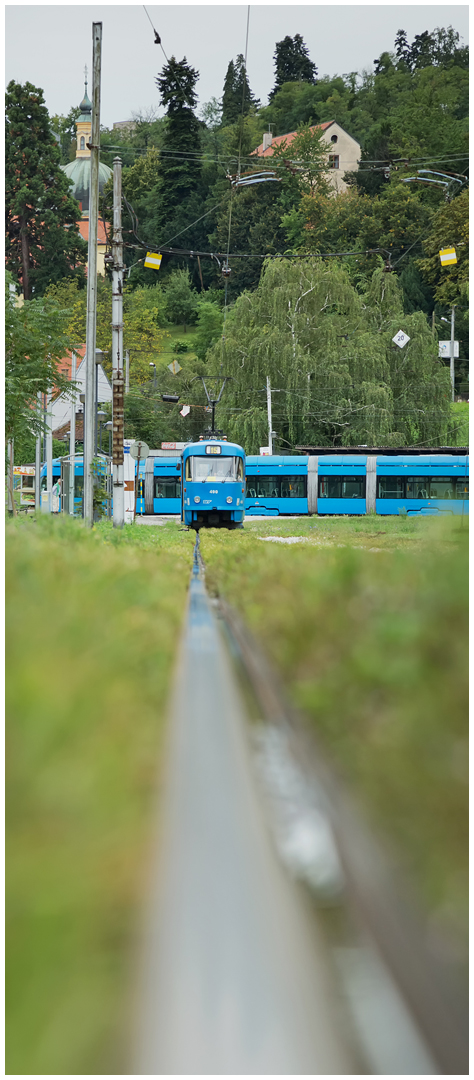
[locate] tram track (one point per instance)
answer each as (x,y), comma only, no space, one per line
(274,941)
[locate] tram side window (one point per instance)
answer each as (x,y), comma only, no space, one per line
(391,487)
(342,487)
(240,469)
(293,487)
(417,487)
(265,487)
(167,488)
(461,488)
(441,487)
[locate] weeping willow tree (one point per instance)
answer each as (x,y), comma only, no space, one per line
(337,378)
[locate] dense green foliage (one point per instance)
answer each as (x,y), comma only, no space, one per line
(410,112)
(93,623)
(42,241)
(372,644)
(338,376)
(36,339)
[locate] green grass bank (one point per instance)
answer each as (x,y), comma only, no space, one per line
(366,622)
(93,620)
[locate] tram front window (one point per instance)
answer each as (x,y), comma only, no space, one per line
(215,468)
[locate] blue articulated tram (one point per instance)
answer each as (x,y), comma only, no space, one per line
(213,484)
(356,484)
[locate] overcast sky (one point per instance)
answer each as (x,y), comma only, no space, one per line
(48,45)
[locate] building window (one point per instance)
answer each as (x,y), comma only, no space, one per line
(334,161)
(333,138)
(83,143)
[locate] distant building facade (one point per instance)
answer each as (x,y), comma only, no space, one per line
(343,151)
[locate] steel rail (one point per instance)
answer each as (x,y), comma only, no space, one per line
(383,906)
(235,976)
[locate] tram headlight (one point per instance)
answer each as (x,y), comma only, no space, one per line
(197,498)
(229,499)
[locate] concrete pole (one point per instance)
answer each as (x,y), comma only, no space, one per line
(92,277)
(269,411)
(127,370)
(451,361)
(72,440)
(38,457)
(11,501)
(117,352)
(49,453)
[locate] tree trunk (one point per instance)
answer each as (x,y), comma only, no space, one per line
(25,258)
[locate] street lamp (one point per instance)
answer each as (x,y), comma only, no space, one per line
(99,355)
(108,427)
(100,414)
(154,374)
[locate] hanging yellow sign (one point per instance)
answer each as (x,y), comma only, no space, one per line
(152,260)
(447,256)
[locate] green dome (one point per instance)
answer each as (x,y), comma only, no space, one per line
(79,172)
(86,109)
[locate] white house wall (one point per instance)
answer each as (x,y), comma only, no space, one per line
(348,151)
(61,408)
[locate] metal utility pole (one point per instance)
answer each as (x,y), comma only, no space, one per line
(127,370)
(49,454)
(117,352)
(451,360)
(38,456)
(269,411)
(72,439)
(92,276)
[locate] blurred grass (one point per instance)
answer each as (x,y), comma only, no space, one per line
(93,620)
(373,646)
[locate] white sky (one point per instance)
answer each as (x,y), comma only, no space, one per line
(48,45)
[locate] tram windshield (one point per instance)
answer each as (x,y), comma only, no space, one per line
(216,468)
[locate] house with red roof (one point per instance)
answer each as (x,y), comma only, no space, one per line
(343,151)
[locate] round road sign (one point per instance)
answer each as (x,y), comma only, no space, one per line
(139,450)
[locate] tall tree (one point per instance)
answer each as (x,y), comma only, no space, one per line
(330,352)
(37,338)
(237,98)
(42,241)
(174,200)
(230,107)
(292,63)
(65,130)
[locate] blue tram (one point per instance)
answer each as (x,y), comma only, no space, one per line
(357,484)
(213,484)
(287,485)
(159,485)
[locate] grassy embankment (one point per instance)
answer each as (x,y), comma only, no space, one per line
(366,622)
(92,625)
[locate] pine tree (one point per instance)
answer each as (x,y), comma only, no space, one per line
(237,98)
(42,241)
(292,63)
(230,107)
(175,200)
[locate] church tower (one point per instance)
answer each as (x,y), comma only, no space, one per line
(79,170)
(84,123)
